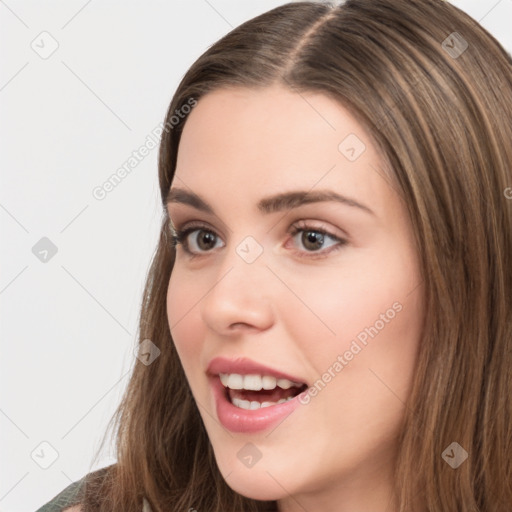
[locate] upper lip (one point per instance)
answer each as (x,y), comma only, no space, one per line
(246,366)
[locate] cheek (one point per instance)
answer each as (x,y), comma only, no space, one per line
(184,320)
(362,373)
(337,307)
(368,317)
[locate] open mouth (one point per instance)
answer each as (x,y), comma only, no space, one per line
(253,392)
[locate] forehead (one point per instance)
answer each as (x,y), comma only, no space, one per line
(262,141)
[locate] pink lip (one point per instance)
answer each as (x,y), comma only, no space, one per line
(236,419)
(245,366)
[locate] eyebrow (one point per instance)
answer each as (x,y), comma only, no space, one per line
(271,204)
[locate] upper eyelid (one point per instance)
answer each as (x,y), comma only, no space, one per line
(179,209)
(186,227)
(187,216)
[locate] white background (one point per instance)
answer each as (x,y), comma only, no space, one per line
(67,123)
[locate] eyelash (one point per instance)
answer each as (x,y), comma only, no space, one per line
(179,237)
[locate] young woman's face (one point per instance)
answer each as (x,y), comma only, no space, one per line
(336,306)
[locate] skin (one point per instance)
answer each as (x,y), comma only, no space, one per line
(297,313)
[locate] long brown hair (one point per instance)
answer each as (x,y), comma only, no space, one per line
(434,90)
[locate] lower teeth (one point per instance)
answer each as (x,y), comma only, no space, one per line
(245,404)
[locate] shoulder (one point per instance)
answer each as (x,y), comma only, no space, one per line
(70,498)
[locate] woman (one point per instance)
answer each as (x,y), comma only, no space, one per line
(327,321)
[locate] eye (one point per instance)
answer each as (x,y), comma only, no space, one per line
(312,238)
(199,244)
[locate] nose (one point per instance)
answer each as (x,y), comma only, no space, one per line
(241,296)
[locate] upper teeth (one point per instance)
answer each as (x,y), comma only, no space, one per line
(255,382)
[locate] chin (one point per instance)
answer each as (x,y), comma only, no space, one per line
(260,487)
(266,480)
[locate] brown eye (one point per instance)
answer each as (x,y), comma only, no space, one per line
(313,241)
(199,240)
(203,240)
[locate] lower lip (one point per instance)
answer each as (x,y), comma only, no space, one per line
(236,419)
